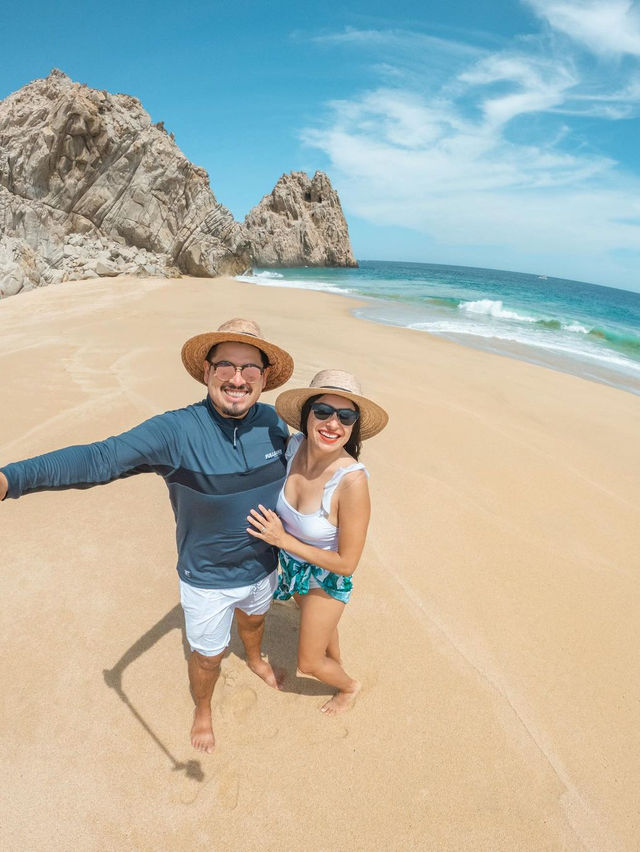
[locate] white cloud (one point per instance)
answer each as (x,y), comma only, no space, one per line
(463,183)
(607,27)
(489,158)
(397,38)
(540,85)
(412,57)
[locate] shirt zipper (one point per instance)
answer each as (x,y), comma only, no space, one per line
(239,446)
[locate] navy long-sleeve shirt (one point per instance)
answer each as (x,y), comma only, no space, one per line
(216,468)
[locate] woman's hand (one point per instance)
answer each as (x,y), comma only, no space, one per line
(266,525)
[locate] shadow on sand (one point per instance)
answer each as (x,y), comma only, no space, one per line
(173,620)
(280,644)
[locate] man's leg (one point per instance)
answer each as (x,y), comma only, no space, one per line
(250,631)
(250,617)
(208,615)
(203,674)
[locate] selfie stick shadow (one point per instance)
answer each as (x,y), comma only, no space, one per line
(113,678)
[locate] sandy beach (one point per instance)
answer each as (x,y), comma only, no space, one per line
(495,622)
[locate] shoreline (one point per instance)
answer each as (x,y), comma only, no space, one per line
(494,623)
(551,355)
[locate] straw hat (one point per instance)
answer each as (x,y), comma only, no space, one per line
(237,330)
(373,418)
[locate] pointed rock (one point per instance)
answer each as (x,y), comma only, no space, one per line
(300,223)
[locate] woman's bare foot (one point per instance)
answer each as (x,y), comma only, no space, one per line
(263,669)
(341,701)
(202,738)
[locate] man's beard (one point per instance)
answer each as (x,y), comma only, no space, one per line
(231,409)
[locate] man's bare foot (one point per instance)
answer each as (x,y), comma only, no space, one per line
(341,701)
(202,738)
(263,669)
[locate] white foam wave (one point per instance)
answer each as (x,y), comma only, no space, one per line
(267,275)
(575,327)
(583,352)
(276,280)
(493,308)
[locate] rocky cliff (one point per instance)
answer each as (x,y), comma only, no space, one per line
(300,224)
(90,187)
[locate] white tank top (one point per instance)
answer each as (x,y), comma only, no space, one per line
(314,529)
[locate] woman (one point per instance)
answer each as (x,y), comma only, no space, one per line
(321,517)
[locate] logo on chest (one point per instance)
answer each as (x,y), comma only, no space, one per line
(273,455)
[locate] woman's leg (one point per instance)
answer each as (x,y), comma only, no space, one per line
(319,617)
(333,648)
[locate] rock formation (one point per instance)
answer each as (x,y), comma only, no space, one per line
(90,187)
(77,161)
(300,224)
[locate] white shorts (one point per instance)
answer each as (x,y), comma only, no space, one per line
(208,613)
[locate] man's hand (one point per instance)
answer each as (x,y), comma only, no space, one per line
(4,486)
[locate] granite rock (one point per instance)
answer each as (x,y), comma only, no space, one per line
(300,223)
(89,186)
(77,161)
(18,267)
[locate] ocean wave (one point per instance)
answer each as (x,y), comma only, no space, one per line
(587,351)
(260,277)
(266,275)
(622,342)
(559,325)
(575,327)
(274,279)
(493,308)
(443,301)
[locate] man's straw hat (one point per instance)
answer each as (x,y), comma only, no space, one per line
(237,330)
(373,418)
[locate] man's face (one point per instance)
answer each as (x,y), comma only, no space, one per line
(233,397)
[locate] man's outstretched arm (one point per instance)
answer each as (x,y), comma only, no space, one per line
(151,446)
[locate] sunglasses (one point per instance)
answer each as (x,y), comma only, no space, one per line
(226,371)
(322,411)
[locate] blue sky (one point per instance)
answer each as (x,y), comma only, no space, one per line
(499,134)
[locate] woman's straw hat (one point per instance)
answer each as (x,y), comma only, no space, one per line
(373,418)
(237,330)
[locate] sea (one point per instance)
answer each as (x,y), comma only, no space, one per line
(587,330)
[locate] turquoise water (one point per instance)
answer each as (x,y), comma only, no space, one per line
(583,329)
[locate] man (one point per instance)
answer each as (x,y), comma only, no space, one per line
(220,458)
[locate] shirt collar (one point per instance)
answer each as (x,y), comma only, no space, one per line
(230,423)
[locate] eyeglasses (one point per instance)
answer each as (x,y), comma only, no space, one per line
(225,370)
(322,411)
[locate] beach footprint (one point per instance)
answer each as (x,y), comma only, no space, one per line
(239,704)
(230,677)
(227,789)
(225,785)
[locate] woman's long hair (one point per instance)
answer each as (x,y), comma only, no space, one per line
(353,445)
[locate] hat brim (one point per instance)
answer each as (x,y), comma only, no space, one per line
(194,353)
(373,418)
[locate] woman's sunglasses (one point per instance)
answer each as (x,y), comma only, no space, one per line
(322,411)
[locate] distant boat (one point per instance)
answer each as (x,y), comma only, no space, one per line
(542,277)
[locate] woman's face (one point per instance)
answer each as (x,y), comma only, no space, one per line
(330,434)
